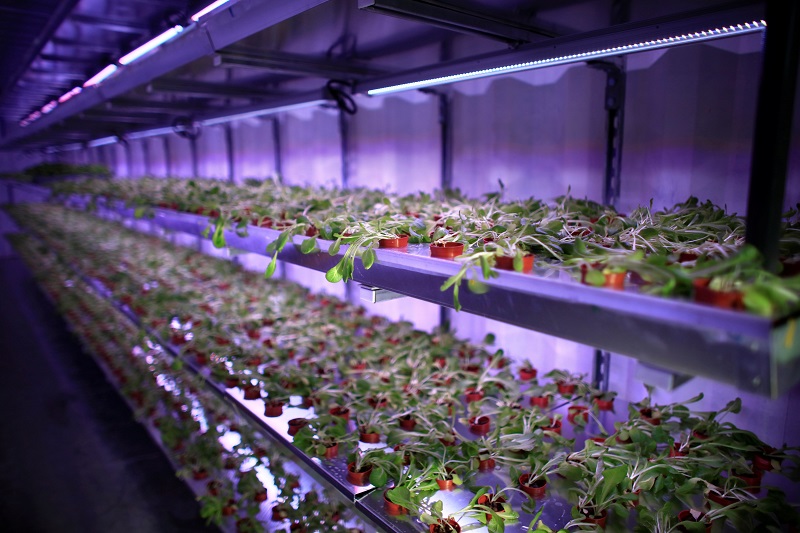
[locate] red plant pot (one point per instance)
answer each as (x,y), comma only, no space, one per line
(536,489)
(719,500)
(231,382)
(252,392)
(485,465)
(762,463)
(752,483)
(446,484)
(472,395)
(399,242)
(527,374)
(603,405)
(686,516)
(369,438)
(480,425)
(647,415)
(555,426)
(341,412)
(392,508)
(447,250)
(675,451)
(273,409)
(615,280)
(200,475)
(407,423)
(574,411)
(331,452)
(296,424)
(725,299)
(505,262)
(600,521)
(445,525)
(566,388)
(360,479)
(540,401)
(260,496)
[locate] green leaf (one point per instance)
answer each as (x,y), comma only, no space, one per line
(477,287)
(334,248)
(378,476)
(518,262)
(368,258)
(271,266)
(595,277)
(139,211)
(309,245)
(485,268)
(335,274)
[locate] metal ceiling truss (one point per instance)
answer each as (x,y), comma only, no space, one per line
(461,20)
(287,63)
(108,24)
(205,89)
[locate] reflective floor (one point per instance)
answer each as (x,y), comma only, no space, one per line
(72,458)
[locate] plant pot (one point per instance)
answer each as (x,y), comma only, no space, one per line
(537,489)
(686,516)
(445,525)
(232,382)
(400,242)
(719,499)
(360,479)
(212,487)
(505,262)
(751,482)
(486,465)
(599,521)
(615,280)
(604,405)
(407,423)
(489,500)
(527,374)
(555,426)
(540,401)
(341,412)
(260,496)
(566,389)
(273,409)
(447,250)
(480,425)
(676,451)
(279,513)
(369,437)
(472,395)
(200,475)
(646,414)
(762,463)
(296,424)
(725,299)
(392,508)
(252,392)
(574,411)
(446,484)
(332,451)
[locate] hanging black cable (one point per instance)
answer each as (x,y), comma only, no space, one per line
(337,89)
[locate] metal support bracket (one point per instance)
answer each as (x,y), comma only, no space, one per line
(659,377)
(376,294)
(615,106)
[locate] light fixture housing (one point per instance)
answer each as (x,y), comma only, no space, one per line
(208,9)
(100,76)
(150,45)
(102,141)
(616,41)
(316,98)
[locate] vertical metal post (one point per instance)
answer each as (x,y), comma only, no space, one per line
(128,158)
(146,156)
(167,157)
(773,129)
(344,137)
(193,150)
(276,144)
(229,152)
(445,125)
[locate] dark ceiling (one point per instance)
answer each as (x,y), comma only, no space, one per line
(255,53)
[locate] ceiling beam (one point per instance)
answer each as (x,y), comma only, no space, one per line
(460,19)
(115,25)
(205,89)
(99,48)
(55,58)
(145,106)
(288,63)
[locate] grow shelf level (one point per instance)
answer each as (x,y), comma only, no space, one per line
(752,353)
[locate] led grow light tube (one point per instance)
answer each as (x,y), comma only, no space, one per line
(102,141)
(100,76)
(152,44)
(208,9)
(623,49)
(69,94)
(134,135)
(261,112)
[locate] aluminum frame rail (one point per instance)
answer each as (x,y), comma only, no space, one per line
(752,353)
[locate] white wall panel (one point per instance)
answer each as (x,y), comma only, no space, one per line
(180,157)
(157,156)
(254,149)
(311,147)
(212,155)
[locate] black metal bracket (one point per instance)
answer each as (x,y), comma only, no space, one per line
(615,106)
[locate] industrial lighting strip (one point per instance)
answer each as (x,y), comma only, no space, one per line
(611,42)
(127,59)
